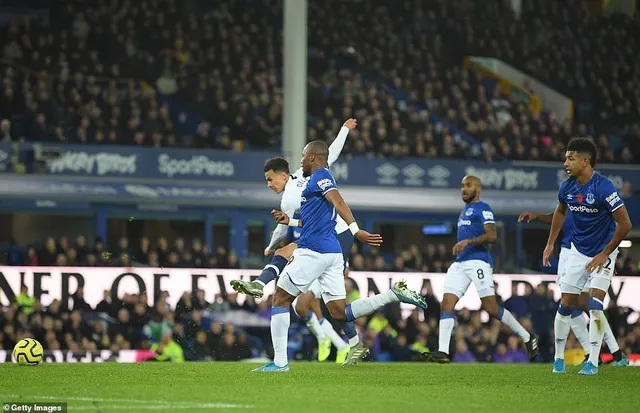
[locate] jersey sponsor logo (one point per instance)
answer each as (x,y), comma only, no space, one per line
(569,197)
(487,215)
(613,199)
(583,208)
(325,183)
(591,199)
(464,222)
(469,212)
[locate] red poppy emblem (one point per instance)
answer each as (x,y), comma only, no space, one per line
(579,198)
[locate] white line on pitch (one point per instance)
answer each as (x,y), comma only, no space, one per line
(138,402)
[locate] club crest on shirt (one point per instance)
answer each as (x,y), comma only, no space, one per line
(591,199)
(469,212)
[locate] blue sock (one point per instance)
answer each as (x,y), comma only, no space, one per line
(576,312)
(350,329)
(595,304)
(272,270)
(349,313)
(564,311)
(500,313)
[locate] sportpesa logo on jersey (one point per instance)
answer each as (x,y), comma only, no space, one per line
(583,208)
(464,222)
(325,183)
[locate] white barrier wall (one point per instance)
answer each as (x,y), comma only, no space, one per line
(49,283)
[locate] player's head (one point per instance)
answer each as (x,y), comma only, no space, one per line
(471,187)
(314,156)
(276,172)
(581,156)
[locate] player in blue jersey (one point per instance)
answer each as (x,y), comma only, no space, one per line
(600,223)
(474,263)
(578,322)
(319,257)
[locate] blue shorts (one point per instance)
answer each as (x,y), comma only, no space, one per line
(345,239)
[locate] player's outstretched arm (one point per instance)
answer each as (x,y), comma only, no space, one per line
(344,211)
(621,216)
(556,225)
(338,143)
(534,216)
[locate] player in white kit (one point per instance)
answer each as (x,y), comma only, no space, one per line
(600,223)
(307,306)
(319,257)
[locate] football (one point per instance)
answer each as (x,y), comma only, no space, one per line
(28,352)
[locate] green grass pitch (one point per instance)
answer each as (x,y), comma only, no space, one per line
(314,387)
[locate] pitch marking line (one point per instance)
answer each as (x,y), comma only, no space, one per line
(139,404)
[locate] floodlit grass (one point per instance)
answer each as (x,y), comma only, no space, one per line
(314,387)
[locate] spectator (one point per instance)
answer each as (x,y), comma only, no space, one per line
(168,350)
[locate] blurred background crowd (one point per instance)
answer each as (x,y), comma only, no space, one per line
(181,253)
(164,73)
(227,329)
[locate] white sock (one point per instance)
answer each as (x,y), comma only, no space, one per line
(370,305)
(510,321)
(444,334)
(353,341)
(316,329)
(561,329)
(331,333)
(579,328)
(596,332)
(280,336)
(609,338)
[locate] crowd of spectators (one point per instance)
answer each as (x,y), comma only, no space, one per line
(181,253)
(397,68)
(190,330)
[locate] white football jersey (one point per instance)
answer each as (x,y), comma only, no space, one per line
(292,194)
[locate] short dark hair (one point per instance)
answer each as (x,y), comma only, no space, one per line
(584,145)
(277,165)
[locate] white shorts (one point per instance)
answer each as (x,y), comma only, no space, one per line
(576,279)
(316,289)
(306,266)
(562,262)
(461,274)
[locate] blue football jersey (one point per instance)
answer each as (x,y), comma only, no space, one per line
(318,215)
(471,225)
(591,206)
(567,228)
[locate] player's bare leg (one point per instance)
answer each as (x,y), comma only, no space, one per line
(280,321)
(579,327)
(357,349)
(269,273)
(447,322)
(333,337)
(490,305)
(341,311)
(313,318)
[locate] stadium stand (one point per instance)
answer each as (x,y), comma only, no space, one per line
(411,93)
